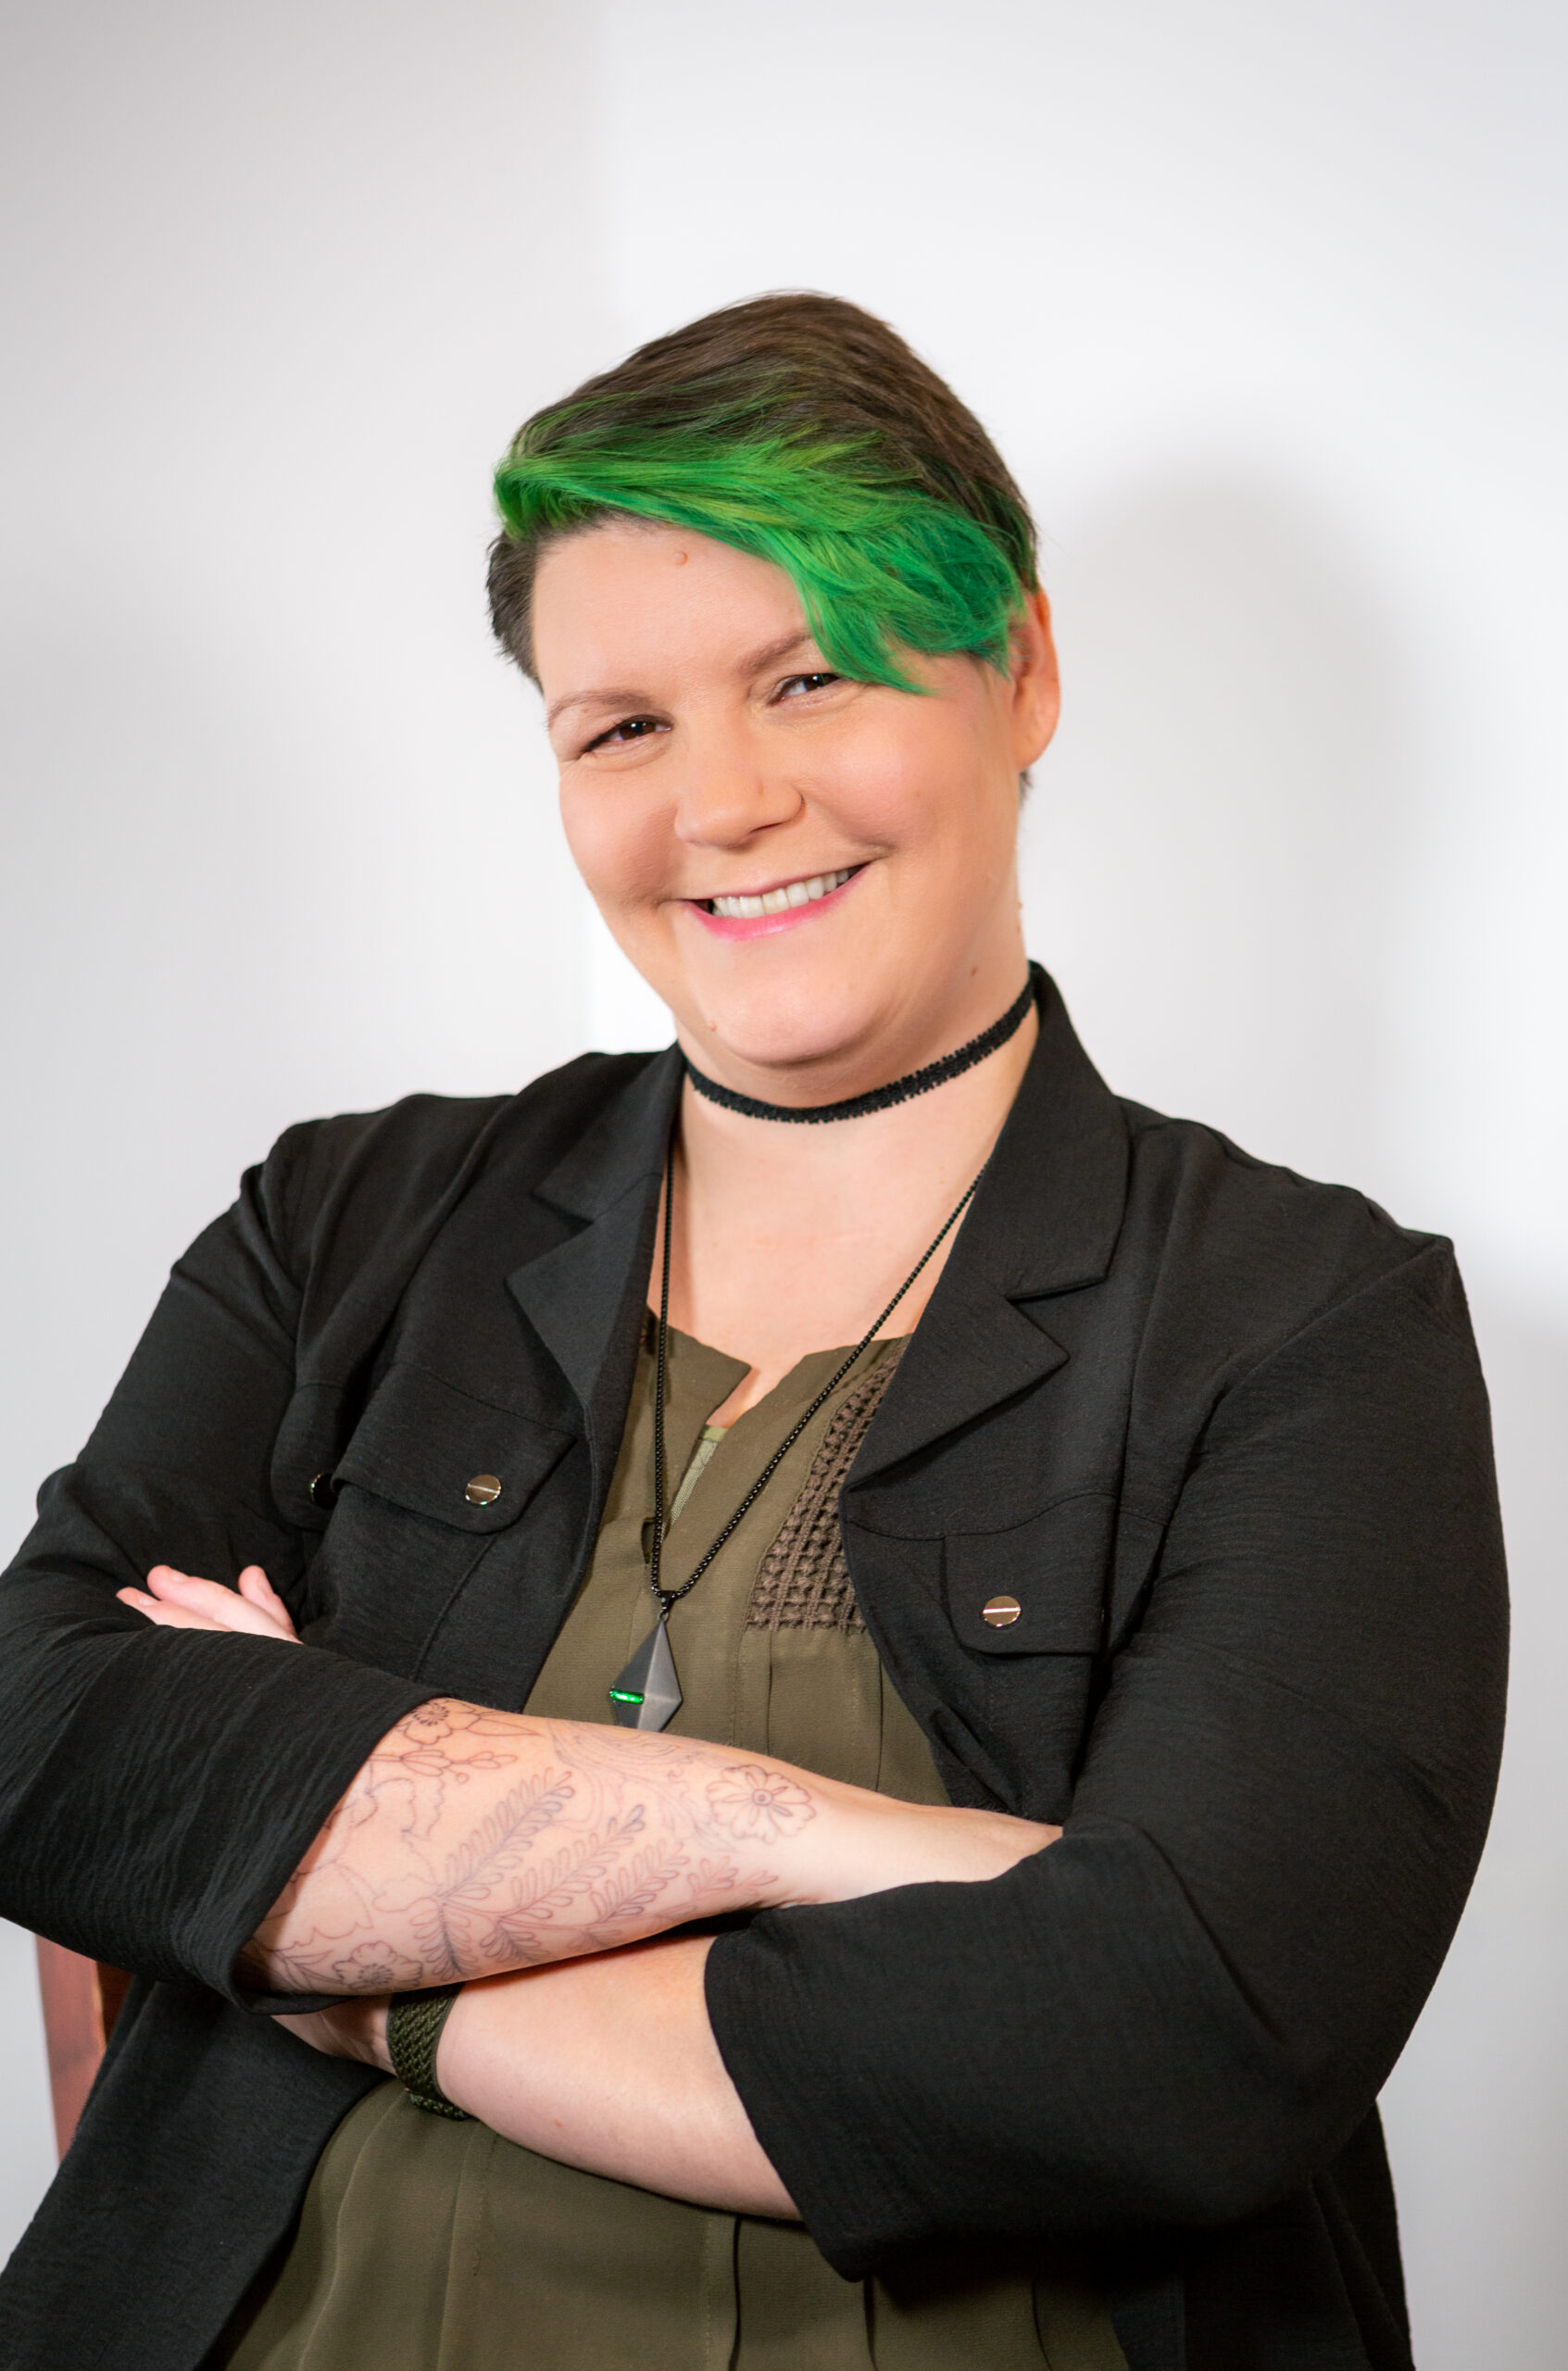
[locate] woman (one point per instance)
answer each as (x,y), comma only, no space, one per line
(898,1664)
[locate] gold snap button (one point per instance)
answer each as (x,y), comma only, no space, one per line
(999,1612)
(483,1490)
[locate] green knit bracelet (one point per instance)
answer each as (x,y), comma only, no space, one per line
(413,2029)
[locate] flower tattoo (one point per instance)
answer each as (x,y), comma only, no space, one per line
(369,1967)
(750,1801)
(471,1842)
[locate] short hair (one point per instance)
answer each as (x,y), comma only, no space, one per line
(804,430)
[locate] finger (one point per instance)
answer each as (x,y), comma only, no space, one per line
(224,1609)
(168,1576)
(257,1590)
(165,1617)
(352,2029)
(307,2028)
(254,1585)
(189,1588)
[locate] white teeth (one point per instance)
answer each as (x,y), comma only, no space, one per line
(778,902)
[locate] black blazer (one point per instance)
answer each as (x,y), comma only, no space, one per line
(1223,1434)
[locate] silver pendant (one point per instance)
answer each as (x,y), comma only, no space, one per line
(647,1694)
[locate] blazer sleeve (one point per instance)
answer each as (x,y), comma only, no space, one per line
(1179,2012)
(158,1786)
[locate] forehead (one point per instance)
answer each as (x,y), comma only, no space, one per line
(625,600)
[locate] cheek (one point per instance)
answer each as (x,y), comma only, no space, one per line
(617,838)
(917,789)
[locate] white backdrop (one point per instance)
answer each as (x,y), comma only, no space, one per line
(1265,305)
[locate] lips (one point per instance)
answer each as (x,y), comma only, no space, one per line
(809,892)
(763,913)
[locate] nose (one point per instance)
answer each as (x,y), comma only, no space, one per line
(731,789)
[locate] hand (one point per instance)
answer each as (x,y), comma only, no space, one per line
(348,2029)
(179,1602)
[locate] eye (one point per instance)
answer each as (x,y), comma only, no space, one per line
(629,729)
(812,683)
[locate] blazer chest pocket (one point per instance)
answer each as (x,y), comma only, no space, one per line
(440,1452)
(428,1478)
(1038,1588)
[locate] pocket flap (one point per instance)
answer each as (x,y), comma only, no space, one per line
(429,1447)
(1053,1570)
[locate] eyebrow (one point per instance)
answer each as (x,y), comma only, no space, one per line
(752,664)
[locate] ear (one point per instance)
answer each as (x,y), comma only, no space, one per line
(1036,690)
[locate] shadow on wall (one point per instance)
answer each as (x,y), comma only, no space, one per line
(1224,863)
(1209,858)
(1477,2108)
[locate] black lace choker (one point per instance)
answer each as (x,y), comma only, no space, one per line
(898,1090)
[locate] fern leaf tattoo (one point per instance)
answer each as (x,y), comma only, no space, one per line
(491,1853)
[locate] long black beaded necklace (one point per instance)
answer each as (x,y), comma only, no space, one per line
(648,1691)
(647,1694)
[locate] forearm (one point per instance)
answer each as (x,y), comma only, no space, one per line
(610,2065)
(473,1842)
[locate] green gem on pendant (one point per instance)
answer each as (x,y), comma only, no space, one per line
(647,1694)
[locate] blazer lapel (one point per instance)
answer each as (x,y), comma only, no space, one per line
(972,1350)
(1045,1222)
(584,1298)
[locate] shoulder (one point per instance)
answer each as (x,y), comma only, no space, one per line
(1246,1253)
(1200,1172)
(364,1173)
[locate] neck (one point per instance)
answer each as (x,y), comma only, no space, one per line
(788,1240)
(920,1016)
(725,1150)
(902,1090)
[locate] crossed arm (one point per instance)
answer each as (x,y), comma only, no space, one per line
(547,1865)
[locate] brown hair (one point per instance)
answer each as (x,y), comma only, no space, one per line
(777,373)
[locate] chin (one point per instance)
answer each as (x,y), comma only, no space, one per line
(790,1025)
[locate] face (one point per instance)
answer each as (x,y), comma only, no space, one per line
(816,876)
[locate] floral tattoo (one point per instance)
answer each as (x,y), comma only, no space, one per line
(462,1850)
(755,1801)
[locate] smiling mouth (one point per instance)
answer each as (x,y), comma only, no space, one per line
(778,902)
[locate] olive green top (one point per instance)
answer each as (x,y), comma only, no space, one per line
(425,2245)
